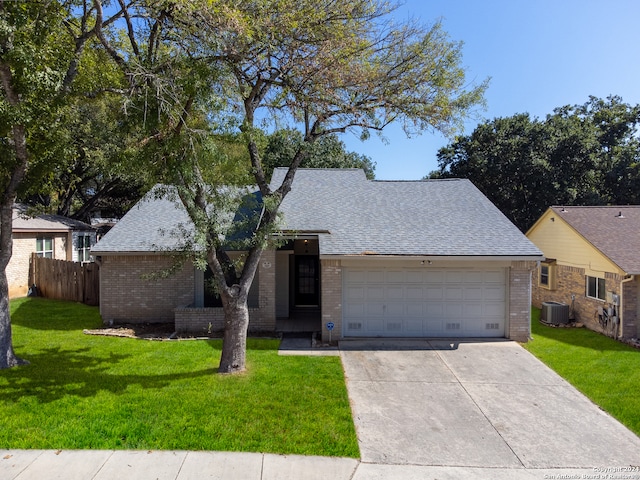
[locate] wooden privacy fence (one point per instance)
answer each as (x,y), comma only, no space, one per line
(64,280)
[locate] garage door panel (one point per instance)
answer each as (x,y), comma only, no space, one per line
(473,293)
(375,276)
(433,327)
(453,293)
(395,276)
(453,311)
(474,277)
(434,293)
(395,293)
(414,276)
(433,276)
(375,308)
(493,310)
(494,293)
(354,310)
(395,309)
(454,277)
(414,326)
(375,293)
(415,310)
(393,327)
(355,276)
(494,276)
(414,293)
(472,311)
(354,293)
(424,302)
(375,324)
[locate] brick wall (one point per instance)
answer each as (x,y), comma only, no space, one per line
(570,284)
(126,297)
(24,244)
(263,319)
(201,321)
(520,301)
(331,297)
(631,308)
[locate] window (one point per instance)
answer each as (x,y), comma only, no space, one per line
(84,247)
(44,247)
(595,288)
(212,298)
(544,275)
(547,276)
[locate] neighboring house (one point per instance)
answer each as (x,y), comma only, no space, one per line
(593,264)
(51,236)
(376,258)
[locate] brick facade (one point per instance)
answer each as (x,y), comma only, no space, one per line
(331,297)
(631,308)
(24,244)
(570,287)
(519,326)
(126,296)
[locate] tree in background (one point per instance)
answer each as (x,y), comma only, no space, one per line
(579,155)
(41,47)
(327,152)
(320,67)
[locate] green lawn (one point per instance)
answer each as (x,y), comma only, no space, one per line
(606,371)
(83,391)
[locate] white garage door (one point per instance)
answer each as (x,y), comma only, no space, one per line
(406,302)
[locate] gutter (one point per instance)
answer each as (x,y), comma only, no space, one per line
(463,258)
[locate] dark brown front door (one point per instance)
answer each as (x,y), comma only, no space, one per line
(306,280)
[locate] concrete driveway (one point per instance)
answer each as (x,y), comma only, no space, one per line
(487,404)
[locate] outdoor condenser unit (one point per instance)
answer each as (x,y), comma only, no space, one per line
(554,312)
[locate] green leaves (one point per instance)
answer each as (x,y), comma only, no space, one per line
(579,155)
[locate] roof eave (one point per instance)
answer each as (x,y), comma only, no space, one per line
(465,258)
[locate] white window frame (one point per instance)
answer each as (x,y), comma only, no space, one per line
(85,249)
(600,288)
(41,247)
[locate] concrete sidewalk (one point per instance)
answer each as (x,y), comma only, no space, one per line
(180,465)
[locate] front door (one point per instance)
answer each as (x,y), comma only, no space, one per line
(307,279)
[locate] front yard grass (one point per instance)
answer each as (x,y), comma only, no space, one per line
(94,392)
(606,371)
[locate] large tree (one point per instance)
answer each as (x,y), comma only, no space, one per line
(328,152)
(41,46)
(579,155)
(319,66)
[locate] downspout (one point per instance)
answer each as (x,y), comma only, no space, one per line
(621,306)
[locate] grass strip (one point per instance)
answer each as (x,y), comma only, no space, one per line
(94,392)
(603,369)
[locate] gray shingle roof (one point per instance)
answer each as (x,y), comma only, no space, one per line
(153,224)
(44,222)
(354,216)
(434,217)
(617,237)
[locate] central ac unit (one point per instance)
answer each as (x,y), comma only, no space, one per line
(554,312)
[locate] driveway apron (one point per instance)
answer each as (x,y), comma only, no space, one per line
(487,404)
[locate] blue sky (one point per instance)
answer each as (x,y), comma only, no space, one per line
(540,54)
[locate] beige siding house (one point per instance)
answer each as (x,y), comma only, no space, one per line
(51,236)
(592,264)
(369,258)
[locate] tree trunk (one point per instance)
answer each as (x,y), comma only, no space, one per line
(7,357)
(236,324)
